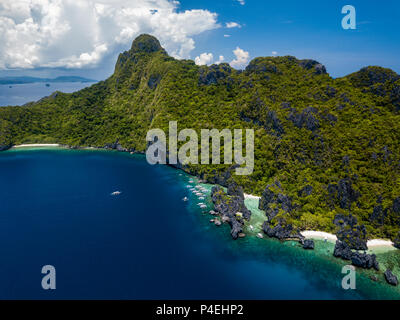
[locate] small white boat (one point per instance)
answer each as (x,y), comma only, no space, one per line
(116,193)
(259,235)
(185,199)
(203,206)
(201,198)
(251,227)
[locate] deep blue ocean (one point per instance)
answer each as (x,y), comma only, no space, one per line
(146,243)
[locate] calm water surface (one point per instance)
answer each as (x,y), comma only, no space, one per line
(20,94)
(57,209)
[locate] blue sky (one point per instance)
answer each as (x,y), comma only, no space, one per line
(305,29)
(309,29)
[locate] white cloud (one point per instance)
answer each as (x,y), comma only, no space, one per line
(220,60)
(84,59)
(242,2)
(227,35)
(204,59)
(242,58)
(80,33)
(207,59)
(274,53)
(231,25)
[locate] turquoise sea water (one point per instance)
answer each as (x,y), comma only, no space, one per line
(146,243)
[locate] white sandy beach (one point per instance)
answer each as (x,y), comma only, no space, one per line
(250,196)
(320,235)
(379,243)
(33,145)
(332,238)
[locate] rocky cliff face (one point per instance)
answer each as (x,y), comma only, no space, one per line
(391,278)
(358,259)
(350,233)
(278,208)
(282,231)
(230,206)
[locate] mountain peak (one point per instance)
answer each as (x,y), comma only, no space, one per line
(146,43)
(369,76)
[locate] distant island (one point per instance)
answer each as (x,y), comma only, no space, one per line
(24,80)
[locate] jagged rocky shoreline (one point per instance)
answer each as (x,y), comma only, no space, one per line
(351,244)
(231,208)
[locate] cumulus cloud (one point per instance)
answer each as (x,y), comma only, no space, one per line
(242,58)
(231,25)
(204,59)
(220,60)
(274,53)
(80,33)
(207,59)
(242,2)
